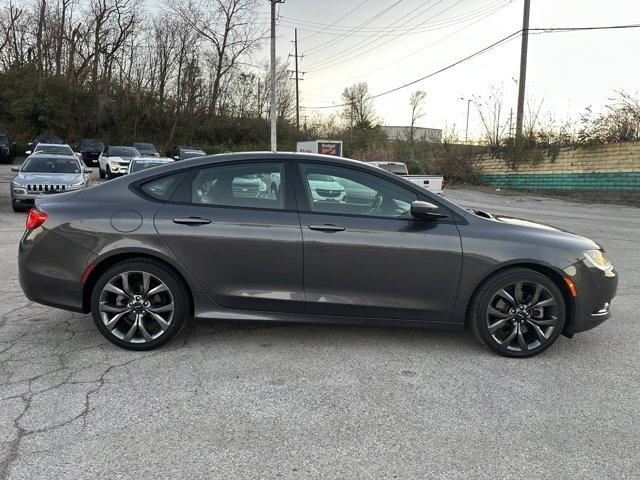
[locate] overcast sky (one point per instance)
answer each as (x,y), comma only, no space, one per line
(409,39)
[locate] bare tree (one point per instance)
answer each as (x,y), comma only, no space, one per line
(359,110)
(229,27)
(490,112)
(416,102)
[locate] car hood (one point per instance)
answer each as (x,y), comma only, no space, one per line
(542,231)
(42,177)
(247,182)
(325,185)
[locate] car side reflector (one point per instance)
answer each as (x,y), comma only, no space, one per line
(87,272)
(572,287)
(35,218)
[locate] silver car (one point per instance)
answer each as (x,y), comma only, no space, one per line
(42,174)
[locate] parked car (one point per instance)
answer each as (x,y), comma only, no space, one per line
(323,188)
(7,148)
(44,173)
(51,149)
(145,252)
(142,163)
(114,161)
(433,183)
(50,139)
(183,153)
(146,149)
(90,150)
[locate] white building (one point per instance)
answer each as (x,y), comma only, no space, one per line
(395,132)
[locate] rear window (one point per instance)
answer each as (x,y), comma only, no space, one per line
(162,188)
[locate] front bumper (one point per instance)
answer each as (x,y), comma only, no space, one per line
(118,169)
(595,290)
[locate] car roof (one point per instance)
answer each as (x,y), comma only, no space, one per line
(54,155)
(42,144)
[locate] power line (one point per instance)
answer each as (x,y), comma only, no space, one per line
(417,51)
(363,43)
(503,40)
(314,50)
(338,19)
(410,29)
(448,67)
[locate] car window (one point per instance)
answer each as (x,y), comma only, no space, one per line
(258,185)
(334,189)
(43,164)
(162,188)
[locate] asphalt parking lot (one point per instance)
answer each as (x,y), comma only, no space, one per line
(252,401)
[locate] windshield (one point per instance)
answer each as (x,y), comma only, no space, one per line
(53,149)
(50,165)
(192,153)
(145,147)
(92,143)
(123,152)
(4,139)
(139,165)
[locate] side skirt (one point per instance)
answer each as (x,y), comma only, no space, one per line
(205,309)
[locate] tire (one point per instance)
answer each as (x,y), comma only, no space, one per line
(157,333)
(16,208)
(109,174)
(508,318)
(100,172)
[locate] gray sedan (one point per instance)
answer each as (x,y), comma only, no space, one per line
(150,250)
(43,174)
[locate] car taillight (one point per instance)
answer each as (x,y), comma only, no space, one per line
(35,218)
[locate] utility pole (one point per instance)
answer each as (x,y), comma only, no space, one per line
(466,130)
(297,78)
(523,67)
(274,138)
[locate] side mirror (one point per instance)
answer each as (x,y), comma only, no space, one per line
(15,168)
(426,210)
(28,152)
(88,170)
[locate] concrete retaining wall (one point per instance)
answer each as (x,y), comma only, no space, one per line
(608,174)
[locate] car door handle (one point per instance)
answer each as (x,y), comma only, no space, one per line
(327,227)
(192,221)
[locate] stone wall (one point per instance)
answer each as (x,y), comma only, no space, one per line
(607,174)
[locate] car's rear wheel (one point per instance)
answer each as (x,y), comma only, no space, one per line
(139,304)
(518,312)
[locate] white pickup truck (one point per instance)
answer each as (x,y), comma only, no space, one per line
(433,183)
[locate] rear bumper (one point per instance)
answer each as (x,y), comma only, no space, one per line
(50,269)
(595,292)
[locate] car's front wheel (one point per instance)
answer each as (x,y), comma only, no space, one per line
(518,312)
(139,304)
(100,172)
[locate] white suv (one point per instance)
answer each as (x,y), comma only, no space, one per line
(114,161)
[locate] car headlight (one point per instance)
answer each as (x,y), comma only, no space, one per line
(76,185)
(596,258)
(15,183)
